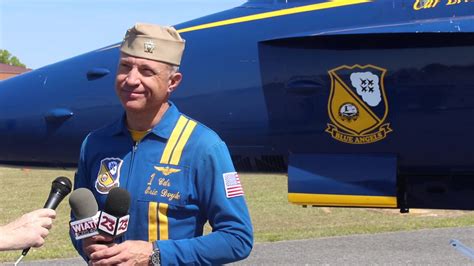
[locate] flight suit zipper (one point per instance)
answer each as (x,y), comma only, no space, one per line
(132,159)
(130,170)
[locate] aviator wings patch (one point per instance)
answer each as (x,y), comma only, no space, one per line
(166,171)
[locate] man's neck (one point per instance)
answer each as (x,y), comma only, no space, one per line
(145,120)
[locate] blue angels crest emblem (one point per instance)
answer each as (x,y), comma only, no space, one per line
(358,105)
(109,175)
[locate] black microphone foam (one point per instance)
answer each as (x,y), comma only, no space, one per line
(83,203)
(117,202)
(60,187)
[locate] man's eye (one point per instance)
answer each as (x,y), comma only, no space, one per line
(147,72)
(125,66)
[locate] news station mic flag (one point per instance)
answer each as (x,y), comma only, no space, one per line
(113,220)
(84,208)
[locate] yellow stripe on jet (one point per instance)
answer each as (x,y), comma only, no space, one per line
(271,14)
(342,200)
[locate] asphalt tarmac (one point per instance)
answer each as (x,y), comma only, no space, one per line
(422,247)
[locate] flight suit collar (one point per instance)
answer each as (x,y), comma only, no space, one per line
(166,125)
(163,129)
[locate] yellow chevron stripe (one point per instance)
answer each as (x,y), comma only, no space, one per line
(277,13)
(165,157)
(152,222)
(342,200)
(182,141)
(163,218)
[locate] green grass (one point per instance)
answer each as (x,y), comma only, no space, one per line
(24,190)
(274,219)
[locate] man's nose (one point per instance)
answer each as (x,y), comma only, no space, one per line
(133,77)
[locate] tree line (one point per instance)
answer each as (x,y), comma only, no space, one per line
(7,58)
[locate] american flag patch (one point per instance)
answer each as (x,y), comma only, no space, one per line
(233,187)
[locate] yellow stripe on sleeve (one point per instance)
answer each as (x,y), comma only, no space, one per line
(178,151)
(165,157)
(152,222)
(163,218)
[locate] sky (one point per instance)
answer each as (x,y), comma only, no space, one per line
(42,32)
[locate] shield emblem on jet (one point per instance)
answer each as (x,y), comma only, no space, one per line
(358,104)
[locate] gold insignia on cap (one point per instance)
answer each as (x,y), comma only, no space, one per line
(154,42)
(149,46)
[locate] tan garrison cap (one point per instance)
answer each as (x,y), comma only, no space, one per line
(154,42)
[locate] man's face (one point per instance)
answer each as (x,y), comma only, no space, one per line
(143,84)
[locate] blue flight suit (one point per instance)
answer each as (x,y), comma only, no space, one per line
(180,175)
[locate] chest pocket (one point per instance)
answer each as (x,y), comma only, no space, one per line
(165,195)
(168,190)
(170,182)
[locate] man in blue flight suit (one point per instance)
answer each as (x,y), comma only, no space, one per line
(178,172)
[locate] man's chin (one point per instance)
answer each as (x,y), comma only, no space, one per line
(133,107)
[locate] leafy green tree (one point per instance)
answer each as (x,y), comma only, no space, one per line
(4,56)
(7,58)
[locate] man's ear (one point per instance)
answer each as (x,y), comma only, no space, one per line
(174,81)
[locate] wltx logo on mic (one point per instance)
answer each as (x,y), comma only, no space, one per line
(113,221)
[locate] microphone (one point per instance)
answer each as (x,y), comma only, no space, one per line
(85,210)
(113,221)
(60,187)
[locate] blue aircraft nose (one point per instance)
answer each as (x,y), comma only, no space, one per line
(42,110)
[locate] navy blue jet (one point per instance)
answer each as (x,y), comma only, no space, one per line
(364,103)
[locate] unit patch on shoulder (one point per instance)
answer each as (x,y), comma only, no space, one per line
(109,175)
(358,104)
(233,187)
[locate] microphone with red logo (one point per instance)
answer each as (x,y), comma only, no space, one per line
(113,220)
(85,210)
